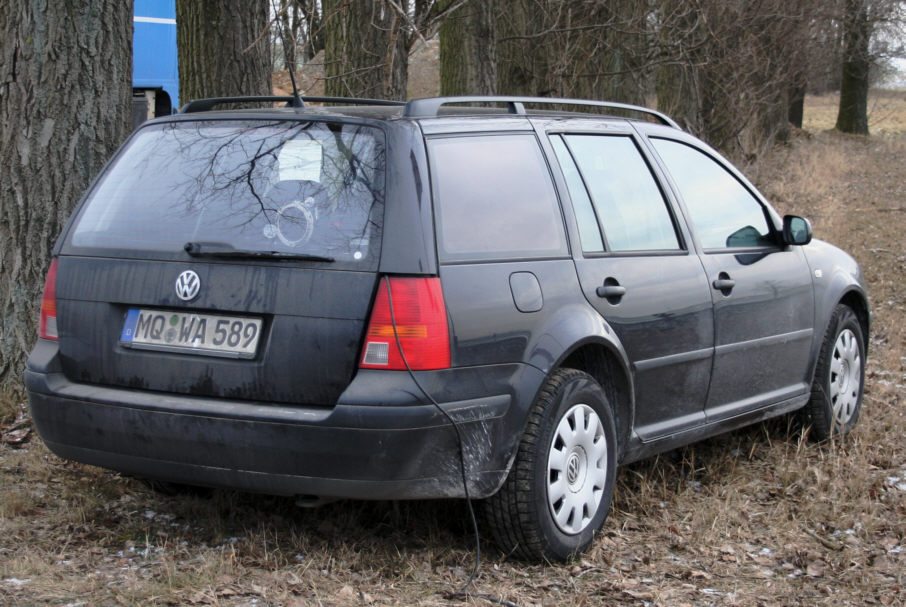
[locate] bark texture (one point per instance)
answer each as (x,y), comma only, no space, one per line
(223,48)
(727,69)
(594,50)
(853,114)
(366,49)
(468,50)
(65,95)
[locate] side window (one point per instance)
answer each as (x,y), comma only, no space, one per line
(725,214)
(589,232)
(629,205)
(494,198)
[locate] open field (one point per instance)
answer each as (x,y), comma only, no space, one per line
(756,517)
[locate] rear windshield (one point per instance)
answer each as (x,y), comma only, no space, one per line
(308,188)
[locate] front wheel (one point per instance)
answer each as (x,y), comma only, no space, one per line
(559,489)
(836,401)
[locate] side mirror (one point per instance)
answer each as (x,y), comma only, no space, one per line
(796,230)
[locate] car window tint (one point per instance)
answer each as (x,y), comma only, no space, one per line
(286,186)
(589,232)
(494,198)
(725,214)
(630,207)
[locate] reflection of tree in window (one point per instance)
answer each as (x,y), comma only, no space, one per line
(724,213)
(223,182)
(629,205)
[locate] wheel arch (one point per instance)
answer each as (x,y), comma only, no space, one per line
(858,303)
(838,280)
(852,297)
(609,367)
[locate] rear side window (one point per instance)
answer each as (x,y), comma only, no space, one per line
(725,214)
(494,199)
(285,186)
(589,231)
(627,200)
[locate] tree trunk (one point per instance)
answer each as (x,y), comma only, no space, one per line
(313,17)
(796,110)
(468,50)
(551,48)
(853,114)
(223,48)
(728,68)
(366,49)
(65,106)
(289,19)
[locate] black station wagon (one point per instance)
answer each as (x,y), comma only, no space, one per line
(500,298)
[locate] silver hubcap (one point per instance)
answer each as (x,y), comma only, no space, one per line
(845,377)
(576,469)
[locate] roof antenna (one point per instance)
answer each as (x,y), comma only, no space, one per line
(297,100)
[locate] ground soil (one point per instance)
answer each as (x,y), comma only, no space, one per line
(756,517)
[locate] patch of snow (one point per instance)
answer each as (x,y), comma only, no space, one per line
(12,581)
(896,482)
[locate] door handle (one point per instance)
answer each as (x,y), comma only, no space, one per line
(724,283)
(611,291)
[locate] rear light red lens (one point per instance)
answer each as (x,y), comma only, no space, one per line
(47,326)
(421,325)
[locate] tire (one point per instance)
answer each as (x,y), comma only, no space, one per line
(560,487)
(836,400)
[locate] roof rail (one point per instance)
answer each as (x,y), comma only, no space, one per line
(204,105)
(430,106)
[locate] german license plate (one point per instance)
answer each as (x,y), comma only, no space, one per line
(208,334)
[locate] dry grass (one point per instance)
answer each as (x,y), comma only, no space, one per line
(885,112)
(756,517)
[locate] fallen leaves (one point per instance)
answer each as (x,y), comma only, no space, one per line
(17,433)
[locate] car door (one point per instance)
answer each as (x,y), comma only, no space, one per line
(761,289)
(635,269)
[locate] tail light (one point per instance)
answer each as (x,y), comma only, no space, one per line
(421,326)
(47,326)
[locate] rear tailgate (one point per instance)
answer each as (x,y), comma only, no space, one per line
(280,222)
(306,353)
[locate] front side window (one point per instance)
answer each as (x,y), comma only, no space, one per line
(284,186)
(629,205)
(494,199)
(725,214)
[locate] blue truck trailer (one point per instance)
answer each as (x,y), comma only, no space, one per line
(155,75)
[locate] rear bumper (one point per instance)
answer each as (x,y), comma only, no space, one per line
(382,449)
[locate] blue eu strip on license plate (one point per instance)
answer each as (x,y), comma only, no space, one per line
(129,325)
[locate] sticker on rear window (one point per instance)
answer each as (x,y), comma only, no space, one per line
(300,159)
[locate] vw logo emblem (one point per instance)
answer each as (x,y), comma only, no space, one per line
(572,469)
(187,285)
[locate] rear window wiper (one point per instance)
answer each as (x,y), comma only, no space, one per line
(225,249)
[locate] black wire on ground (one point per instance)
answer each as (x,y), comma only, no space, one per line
(464,592)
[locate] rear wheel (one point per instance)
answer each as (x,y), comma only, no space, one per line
(559,489)
(839,378)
